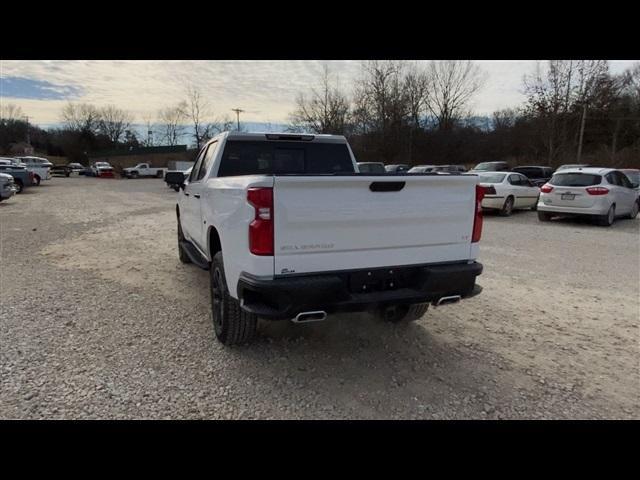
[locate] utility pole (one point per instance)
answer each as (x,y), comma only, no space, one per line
(584,114)
(238,112)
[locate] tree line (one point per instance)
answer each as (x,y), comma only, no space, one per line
(86,128)
(395,112)
(420,113)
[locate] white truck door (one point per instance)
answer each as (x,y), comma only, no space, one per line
(200,175)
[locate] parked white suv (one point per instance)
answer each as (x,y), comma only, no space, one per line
(289,230)
(601,193)
(41,168)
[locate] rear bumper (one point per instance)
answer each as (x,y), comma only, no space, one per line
(285,297)
(598,209)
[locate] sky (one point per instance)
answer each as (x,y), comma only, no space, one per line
(265,89)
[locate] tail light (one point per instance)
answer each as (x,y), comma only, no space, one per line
(546,188)
(261,228)
(597,190)
(477,221)
(490,190)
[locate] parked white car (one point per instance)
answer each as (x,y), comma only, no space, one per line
(288,232)
(505,192)
(41,168)
(143,170)
(101,169)
(600,193)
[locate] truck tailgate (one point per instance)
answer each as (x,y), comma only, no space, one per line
(353,222)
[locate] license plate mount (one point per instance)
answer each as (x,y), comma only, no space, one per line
(568,196)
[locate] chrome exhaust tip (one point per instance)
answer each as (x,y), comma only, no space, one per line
(445,300)
(308,317)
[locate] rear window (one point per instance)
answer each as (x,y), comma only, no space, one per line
(575,179)
(255,158)
(491,177)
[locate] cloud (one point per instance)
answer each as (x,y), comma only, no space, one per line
(28,88)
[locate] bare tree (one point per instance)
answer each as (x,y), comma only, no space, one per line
(81,117)
(113,122)
(326,110)
(11,111)
(416,84)
(196,109)
(381,108)
(380,99)
(451,86)
(559,99)
(171,123)
(505,118)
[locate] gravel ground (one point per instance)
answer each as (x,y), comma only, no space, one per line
(98,319)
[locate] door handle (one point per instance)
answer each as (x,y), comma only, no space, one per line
(197,195)
(185,192)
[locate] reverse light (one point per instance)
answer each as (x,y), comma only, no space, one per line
(477,221)
(546,188)
(597,190)
(261,228)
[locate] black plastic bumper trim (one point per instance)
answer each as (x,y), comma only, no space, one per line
(285,297)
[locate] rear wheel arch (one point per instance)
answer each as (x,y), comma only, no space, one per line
(214,242)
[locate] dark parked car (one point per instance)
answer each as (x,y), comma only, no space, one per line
(538,175)
(398,168)
(492,167)
(371,167)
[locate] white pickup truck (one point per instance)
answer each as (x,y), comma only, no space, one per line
(143,170)
(289,229)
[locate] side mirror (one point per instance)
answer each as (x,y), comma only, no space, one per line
(635,185)
(175,178)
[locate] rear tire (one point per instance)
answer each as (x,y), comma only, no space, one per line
(544,216)
(608,219)
(507,209)
(406,313)
(134,174)
(19,185)
(159,174)
(232,325)
(182,255)
(634,210)
(36,181)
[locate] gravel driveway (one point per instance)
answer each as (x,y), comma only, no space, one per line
(98,319)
